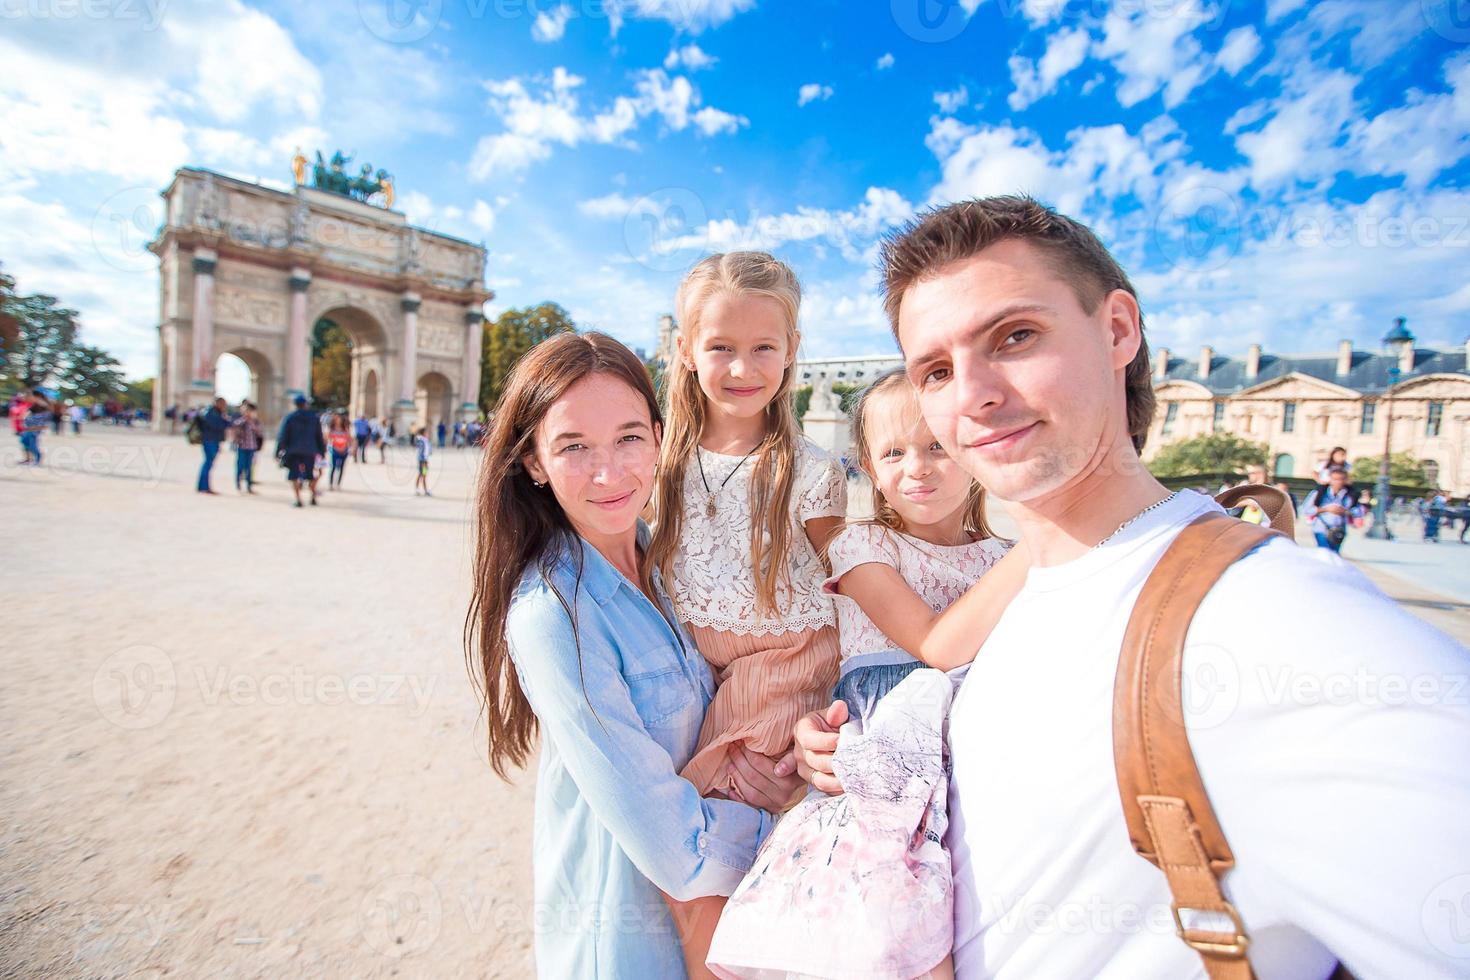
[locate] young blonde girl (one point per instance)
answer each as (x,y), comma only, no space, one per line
(744,508)
(859,884)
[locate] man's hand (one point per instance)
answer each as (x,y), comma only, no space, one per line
(816,741)
(760,780)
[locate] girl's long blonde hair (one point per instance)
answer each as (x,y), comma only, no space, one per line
(773,475)
(896,383)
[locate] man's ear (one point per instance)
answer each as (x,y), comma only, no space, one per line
(1125,327)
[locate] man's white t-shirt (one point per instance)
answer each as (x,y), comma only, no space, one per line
(1332,731)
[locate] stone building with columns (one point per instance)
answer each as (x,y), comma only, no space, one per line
(1302,405)
(249,270)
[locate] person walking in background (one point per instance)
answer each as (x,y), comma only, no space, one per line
(363,432)
(19,405)
(248,436)
(299,443)
(423,448)
(213,425)
(1329,508)
(441,432)
(1433,514)
(1337,459)
(38,415)
(78,415)
(387,436)
(339,440)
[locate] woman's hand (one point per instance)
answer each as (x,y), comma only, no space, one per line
(756,780)
(816,742)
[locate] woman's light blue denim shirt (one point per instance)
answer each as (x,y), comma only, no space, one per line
(614,820)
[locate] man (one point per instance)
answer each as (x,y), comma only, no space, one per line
(1434,513)
(1345,811)
(213,424)
(1329,507)
(298,445)
(363,433)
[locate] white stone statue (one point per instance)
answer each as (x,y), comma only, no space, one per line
(824,401)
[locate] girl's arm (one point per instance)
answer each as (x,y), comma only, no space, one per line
(942,640)
(820,530)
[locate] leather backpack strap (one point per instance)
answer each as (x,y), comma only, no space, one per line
(1170,821)
(1275,503)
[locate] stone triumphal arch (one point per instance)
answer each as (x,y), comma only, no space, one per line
(249,270)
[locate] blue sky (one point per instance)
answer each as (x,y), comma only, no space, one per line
(1280,171)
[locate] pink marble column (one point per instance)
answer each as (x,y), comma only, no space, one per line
(202,377)
(469,408)
(298,348)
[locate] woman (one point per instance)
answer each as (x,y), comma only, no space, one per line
(1337,459)
(249,436)
(570,632)
(339,441)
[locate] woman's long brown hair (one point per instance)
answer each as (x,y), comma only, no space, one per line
(773,474)
(517,523)
(895,384)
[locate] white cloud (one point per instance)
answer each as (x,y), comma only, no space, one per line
(1277,9)
(691,56)
(551,25)
(952,101)
(1155,50)
(246,60)
(693,16)
(1240,47)
(548,112)
(482,216)
(1424,137)
(1065,51)
(851,232)
(711,121)
(885,62)
(613,205)
(813,92)
(1302,140)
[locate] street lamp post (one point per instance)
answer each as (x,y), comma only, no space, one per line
(1380,529)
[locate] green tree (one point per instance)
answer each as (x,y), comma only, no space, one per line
(46,333)
(90,373)
(1218,453)
(138,394)
(1403,470)
(508,338)
(331,365)
(9,325)
(801,400)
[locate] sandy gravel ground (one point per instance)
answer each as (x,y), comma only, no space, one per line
(239,738)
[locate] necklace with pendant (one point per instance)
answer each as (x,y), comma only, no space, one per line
(709,500)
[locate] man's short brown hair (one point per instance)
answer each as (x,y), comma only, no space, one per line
(941,236)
